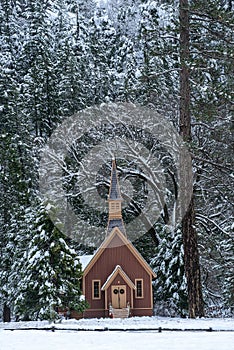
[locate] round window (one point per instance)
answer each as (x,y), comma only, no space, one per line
(116,291)
(121,291)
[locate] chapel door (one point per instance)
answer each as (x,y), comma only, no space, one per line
(118,296)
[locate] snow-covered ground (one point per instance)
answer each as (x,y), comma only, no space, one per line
(66,335)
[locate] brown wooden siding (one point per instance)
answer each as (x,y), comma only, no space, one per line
(141,312)
(118,254)
(90,313)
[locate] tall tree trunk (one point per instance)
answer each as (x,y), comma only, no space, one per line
(191,254)
(6,313)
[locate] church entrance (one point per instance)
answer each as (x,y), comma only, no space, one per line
(118,294)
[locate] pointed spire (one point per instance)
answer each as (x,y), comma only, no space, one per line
(114,192)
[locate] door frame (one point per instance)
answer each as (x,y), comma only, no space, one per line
(121,297)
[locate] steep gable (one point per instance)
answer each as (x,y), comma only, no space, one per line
(118,271)
(117,239)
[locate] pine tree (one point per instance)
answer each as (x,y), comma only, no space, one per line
(37,65)
(71,56)
(191,253)
(211,67)
(170,287)
(17,175)
(49,273)
(102,46)
(124,59)
(158,67)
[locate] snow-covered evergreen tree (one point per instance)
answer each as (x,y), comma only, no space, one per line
(49,272)
(102,47)
(158,64)
(17,174)
(124,59)
(170,287)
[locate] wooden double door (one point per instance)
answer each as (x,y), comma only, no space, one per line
(118,295)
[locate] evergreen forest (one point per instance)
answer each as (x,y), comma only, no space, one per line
(174,57)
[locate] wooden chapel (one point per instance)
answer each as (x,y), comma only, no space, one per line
(117,281)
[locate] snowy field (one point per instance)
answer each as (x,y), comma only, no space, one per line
(120,334)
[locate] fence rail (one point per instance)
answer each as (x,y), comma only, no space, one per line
(104,329)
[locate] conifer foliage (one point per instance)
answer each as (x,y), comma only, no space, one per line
(50,273)
(170,287)
(60,56)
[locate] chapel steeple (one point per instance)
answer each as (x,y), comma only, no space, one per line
(115,202)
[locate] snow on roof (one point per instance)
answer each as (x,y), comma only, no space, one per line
(112,274)
(84,260)
(119,269)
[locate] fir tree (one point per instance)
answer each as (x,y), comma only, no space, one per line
(170,287)
(124,62)
(50,273)
(101,40)
(17,176)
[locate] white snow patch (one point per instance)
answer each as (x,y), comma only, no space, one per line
(131,340)
(217,324)
(84,260)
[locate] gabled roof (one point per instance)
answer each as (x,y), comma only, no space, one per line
(118,270)
(127,243)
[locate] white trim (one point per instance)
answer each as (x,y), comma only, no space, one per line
(127,243)
(118,270)
(99,289)
(142,288)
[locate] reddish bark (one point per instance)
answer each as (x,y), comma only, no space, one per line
(191,253)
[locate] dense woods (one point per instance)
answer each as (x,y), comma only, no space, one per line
(60,56)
